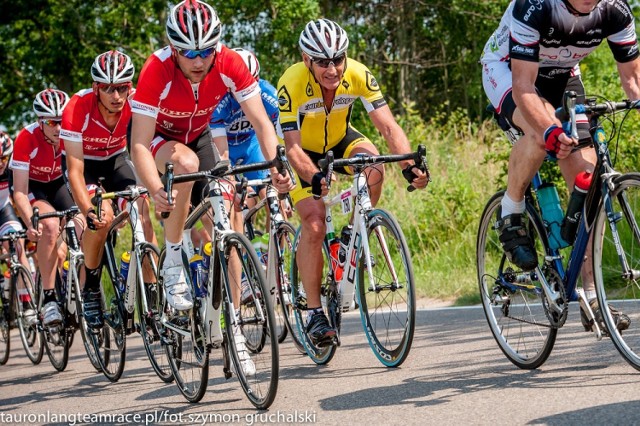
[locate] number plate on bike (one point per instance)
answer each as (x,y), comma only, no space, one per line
(346,202)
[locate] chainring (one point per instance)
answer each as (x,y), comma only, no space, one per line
(553,278)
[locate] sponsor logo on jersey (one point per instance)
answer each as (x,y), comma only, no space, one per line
(345,84)
(309,90)
(284,100)
(372,83)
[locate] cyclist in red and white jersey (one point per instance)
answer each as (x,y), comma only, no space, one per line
(94,135)
(179,87)
(38,182)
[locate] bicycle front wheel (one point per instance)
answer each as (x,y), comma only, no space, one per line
(616,266)
(150,326)
(5,326)
(26,313)
(185,343)
(56,338)
(253,342)
(515,312)
(88,335)
(387,294)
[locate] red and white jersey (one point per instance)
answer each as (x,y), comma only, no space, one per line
(82,122)
(31,152)
(182,110)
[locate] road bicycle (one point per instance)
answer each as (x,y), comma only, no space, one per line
(525,309)
(138,290)
(279,252)
(19,304)
(57,340)
(377,269)
(192,334)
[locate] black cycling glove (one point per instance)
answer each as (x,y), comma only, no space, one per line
(408,174)
(316,184)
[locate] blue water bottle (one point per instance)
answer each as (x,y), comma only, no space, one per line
(196,266)
(124,271)
(552,214)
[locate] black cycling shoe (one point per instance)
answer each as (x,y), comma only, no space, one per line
(92,306)
(319,330)
(622,320)
(516,243)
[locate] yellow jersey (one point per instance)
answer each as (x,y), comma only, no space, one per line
(302,107)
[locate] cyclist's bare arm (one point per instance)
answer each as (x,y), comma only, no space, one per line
(21,200)
(397,140)
(630,78)
(142,132)
(75,167)
(300,161)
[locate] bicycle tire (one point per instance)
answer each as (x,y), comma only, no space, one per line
(149,325)
(56,339)
(29,334)
(5,323)
(387,305)
(188,354)
(526,340)
(319,354)
(257,325)
(285,238)
(85,332)
(112,348)
(613,287)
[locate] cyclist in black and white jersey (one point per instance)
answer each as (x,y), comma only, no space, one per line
(528,63)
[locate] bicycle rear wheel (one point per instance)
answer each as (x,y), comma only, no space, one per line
(56,338)
(285,237)
(256,363)
(150,327)
(515,312)
(387,294)
(185,343)
(5,323)
(26,313)
(319,354)
(618,288)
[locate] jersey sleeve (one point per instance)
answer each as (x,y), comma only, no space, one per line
(22,148)
(220,116)
(153,84)
(524,42)
(236,76)
(73,120)
(368,88)
(623,39)
(287,104)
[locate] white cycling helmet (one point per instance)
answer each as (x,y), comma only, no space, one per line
(6,145)
(50,103)
(112,67)
(250,59)
(193,25)
(323,39)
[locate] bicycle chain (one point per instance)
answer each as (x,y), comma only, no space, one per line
(556,320)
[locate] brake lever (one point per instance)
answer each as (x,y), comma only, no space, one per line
(167,179)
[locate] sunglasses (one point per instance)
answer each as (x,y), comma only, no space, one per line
(324,63)
(4,159)
(192,54)
(109,89)
(51,123)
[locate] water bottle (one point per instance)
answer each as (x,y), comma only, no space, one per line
(574,208)
(65,274)
(206,262)
(261,248)
(345,237)
(196,264)
(552,214)
(337,266)
(125,259)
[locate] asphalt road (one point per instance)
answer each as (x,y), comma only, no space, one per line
(455,374)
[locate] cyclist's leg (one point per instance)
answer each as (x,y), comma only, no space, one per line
(355,143)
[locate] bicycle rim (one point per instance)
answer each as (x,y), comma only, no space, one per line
(386,294)
(257,363)
(5,327)
(319,354)
(85,332)
(150,327)
(615,288)
(24,299)
(515,314)
(286,237)
(113,354)
(186,350)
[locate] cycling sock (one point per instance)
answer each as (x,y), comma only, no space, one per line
(314,311)
(590,295)
(49,296)
(174,253)
(511,207)
(92,283)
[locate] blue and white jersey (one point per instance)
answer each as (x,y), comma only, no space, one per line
(229,120)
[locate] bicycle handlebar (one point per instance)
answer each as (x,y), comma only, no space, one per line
(68,214)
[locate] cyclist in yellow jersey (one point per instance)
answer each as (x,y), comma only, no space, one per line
(316,97)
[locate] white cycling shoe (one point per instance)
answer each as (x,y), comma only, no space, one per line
(248,367)
(176,288)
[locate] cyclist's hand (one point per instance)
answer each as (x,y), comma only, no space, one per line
(93,222)
(161,202)
(33,234)
(557,142)
(282,183)
(319,185)
(416,177)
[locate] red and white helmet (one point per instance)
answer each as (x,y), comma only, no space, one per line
(193,25)
(323,38)
(50,103)
(6,145)
(250,59)
(112,67)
